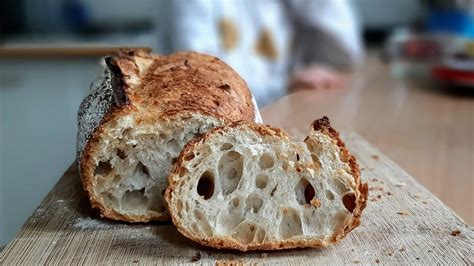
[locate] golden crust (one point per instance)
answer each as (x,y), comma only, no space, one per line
(322,125)
(160,87)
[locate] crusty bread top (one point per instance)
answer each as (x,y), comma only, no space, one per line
(163,86)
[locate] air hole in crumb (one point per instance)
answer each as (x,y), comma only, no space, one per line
(230,169)
(309,193)
(134,200)
(349,201)
(261,181)
(235,202)
(244,232)
(266,161)
(121,154)
(183,171)
(126,132)
(205,187)
(174,160)
(189,157)
(297,157)
(198,214)
(253,203)
(304,192)
(316,160)
(104,168)
(142,168)
(226,146)
(290,225)
(329,195)
(273,191)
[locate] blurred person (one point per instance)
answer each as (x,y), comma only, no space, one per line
(276,46)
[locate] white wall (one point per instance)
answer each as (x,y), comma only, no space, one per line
(39,101)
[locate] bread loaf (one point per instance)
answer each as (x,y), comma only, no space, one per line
(248,187)
(138,117)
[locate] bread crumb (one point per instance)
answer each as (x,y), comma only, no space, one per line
(402,249)
(424,202)
(135,261)
(402,184)
(402,213)
(377,261)
(389,193)
(196,257)
(456,232)
(374,179)
(375,157)
(356,261)
(315,202)
(263,255)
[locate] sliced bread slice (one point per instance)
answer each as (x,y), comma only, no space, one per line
(248,187)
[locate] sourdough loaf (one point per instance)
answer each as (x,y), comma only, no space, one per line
(248,187)
(138,117)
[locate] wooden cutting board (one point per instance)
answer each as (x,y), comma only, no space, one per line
(402,224)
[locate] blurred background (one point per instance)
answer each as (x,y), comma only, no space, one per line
(50,53)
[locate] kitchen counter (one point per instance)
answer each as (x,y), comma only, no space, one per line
(427,130)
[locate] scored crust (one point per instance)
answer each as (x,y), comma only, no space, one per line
(318,126)
(143,91)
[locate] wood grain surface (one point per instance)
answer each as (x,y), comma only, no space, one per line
(403,224)
(426,129)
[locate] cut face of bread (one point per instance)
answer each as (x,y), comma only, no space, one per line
(133,161)
(249,187)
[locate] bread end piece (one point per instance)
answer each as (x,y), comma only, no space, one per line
(323,125)
(248,187)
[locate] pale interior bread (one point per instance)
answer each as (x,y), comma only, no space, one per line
(249,187)
(133,160)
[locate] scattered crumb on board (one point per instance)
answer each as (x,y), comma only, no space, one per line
(402,213)
(456,232)
(196,257)
(402,184)
(375,157)
(89,223)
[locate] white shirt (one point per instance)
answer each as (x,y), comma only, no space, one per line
(299,32)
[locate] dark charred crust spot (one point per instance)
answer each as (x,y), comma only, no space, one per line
(224,87)
(118,84)
(321,123)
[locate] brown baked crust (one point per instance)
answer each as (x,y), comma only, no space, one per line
(321,125)
(157,88)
